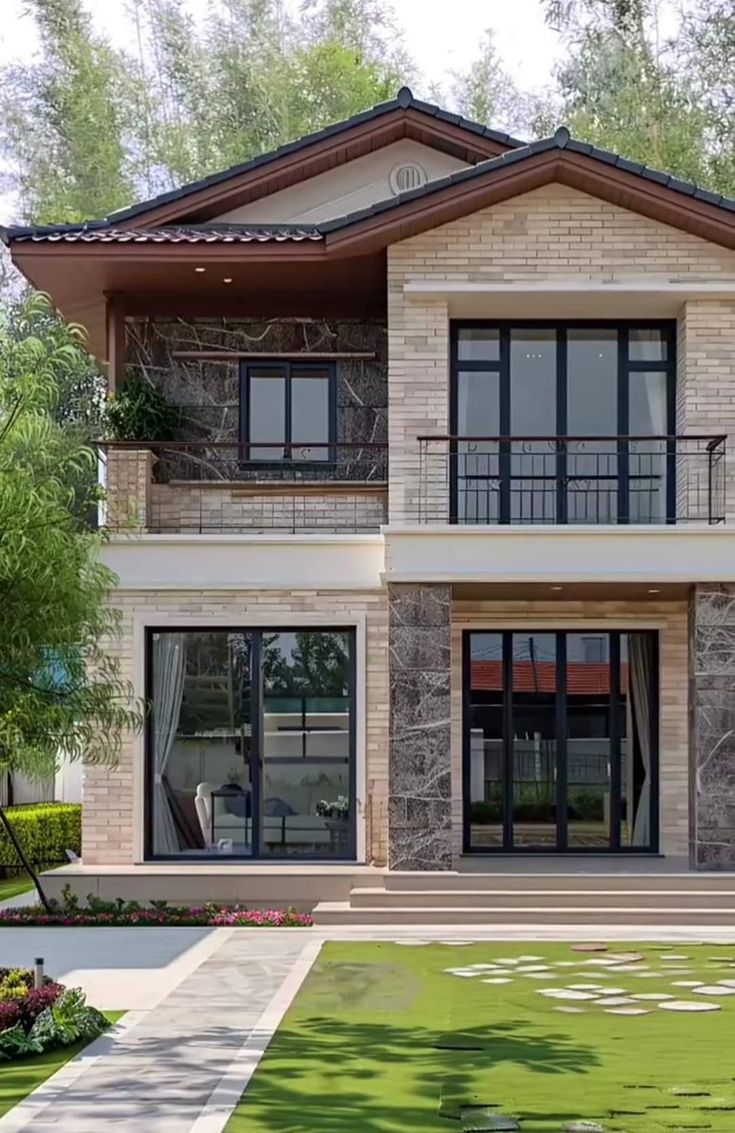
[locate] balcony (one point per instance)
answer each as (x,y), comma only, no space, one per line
(603,480)
(211,488)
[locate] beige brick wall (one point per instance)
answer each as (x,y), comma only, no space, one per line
(229,509)
(670,618)
(109,818)
(551,233)
(129,474)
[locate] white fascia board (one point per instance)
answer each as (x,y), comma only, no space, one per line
(246,562)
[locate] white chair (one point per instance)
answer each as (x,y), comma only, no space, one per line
(203,808)
(225,825)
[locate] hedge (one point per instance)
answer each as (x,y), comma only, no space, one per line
(45,831)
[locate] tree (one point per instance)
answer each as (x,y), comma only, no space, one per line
(60,690)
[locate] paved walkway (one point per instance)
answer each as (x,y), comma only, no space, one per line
(203,1005)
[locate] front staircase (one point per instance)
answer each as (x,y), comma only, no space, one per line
(572,897)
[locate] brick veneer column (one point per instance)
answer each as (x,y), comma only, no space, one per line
(419,755)
(129,479)
(712,747)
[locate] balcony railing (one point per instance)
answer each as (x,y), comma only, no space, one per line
(213,487)
(571,480)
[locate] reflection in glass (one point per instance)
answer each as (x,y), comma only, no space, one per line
(486,774)
(310,416)
(477,461)
(533,413)
(201,736)
(534,740)
(592,411)
(589,754)
(306,785)
(267,413)
(647,459)
(647,345)
(478,344)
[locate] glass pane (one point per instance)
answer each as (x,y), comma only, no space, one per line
(486,740)
(478,344)
(478,414)
(647,460)
(200,754)
(588,741)
(532,413)
(307,750)
(309,416)
(267,413)
(534,740)
(592,411)
(647,346)
(637,683)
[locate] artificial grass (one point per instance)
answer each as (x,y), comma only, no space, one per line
(19,1078)
(13,886)
(382,1040)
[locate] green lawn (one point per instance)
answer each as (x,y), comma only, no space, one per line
(18,1079)
(382,1039)
(12,886)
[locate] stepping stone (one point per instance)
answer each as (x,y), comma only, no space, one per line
(507,961)
(530,959)
(616,1001)
(497,980)
(684,1005)
(655,995)
(412,943)
(673,956)
(479,1119)
(570,1010)
(532,968)
(462,973)
(582,1127)
(565,993)
(648,975)
(631,967)
(727,983)
(589,947)
(540,975)
(626,957)
(713,989)
(600,962)
(627,1011)
(593,987)
(484,967)
(566,963)
(690,983)
(613,991)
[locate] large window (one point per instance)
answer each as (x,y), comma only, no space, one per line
(557,392)
(560,741)
(288,411)
(250,746)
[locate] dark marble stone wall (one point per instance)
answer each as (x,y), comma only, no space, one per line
(419,762)
(712,747)
(208,391)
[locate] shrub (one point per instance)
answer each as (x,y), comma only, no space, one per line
(46,1018)
(45,831)
(141,412)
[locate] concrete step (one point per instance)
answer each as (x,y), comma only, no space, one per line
(342,913)
(687,896)
(578,882)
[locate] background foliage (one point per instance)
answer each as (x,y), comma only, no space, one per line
(45,831)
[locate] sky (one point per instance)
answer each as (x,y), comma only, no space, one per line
(441,37)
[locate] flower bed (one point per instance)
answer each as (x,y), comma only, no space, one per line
(37,1019)
(71,912)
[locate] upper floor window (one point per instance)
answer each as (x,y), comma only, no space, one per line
(288,411)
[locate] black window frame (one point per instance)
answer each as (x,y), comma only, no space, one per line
(561,715)
(501,366)
(257,759)
(291,370)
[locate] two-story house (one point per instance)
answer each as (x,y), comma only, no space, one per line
(441,565)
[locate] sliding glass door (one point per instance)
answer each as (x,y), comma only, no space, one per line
(532,406)
(250,743)
(560,741)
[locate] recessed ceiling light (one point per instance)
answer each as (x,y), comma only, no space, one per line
(654,590)
(200,269)
(227,279)
(557,587)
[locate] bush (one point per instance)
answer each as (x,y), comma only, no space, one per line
(45,831)
(43,1018)
(141,412)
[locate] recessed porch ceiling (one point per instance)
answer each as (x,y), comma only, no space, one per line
(570,592)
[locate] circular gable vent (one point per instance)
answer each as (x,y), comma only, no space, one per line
(406,177)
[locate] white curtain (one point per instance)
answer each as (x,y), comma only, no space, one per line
(640,654)
(655,463)
(169,670)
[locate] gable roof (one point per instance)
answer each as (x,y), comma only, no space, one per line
(610,176)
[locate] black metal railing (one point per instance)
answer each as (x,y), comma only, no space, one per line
(213,486)
(571,480)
